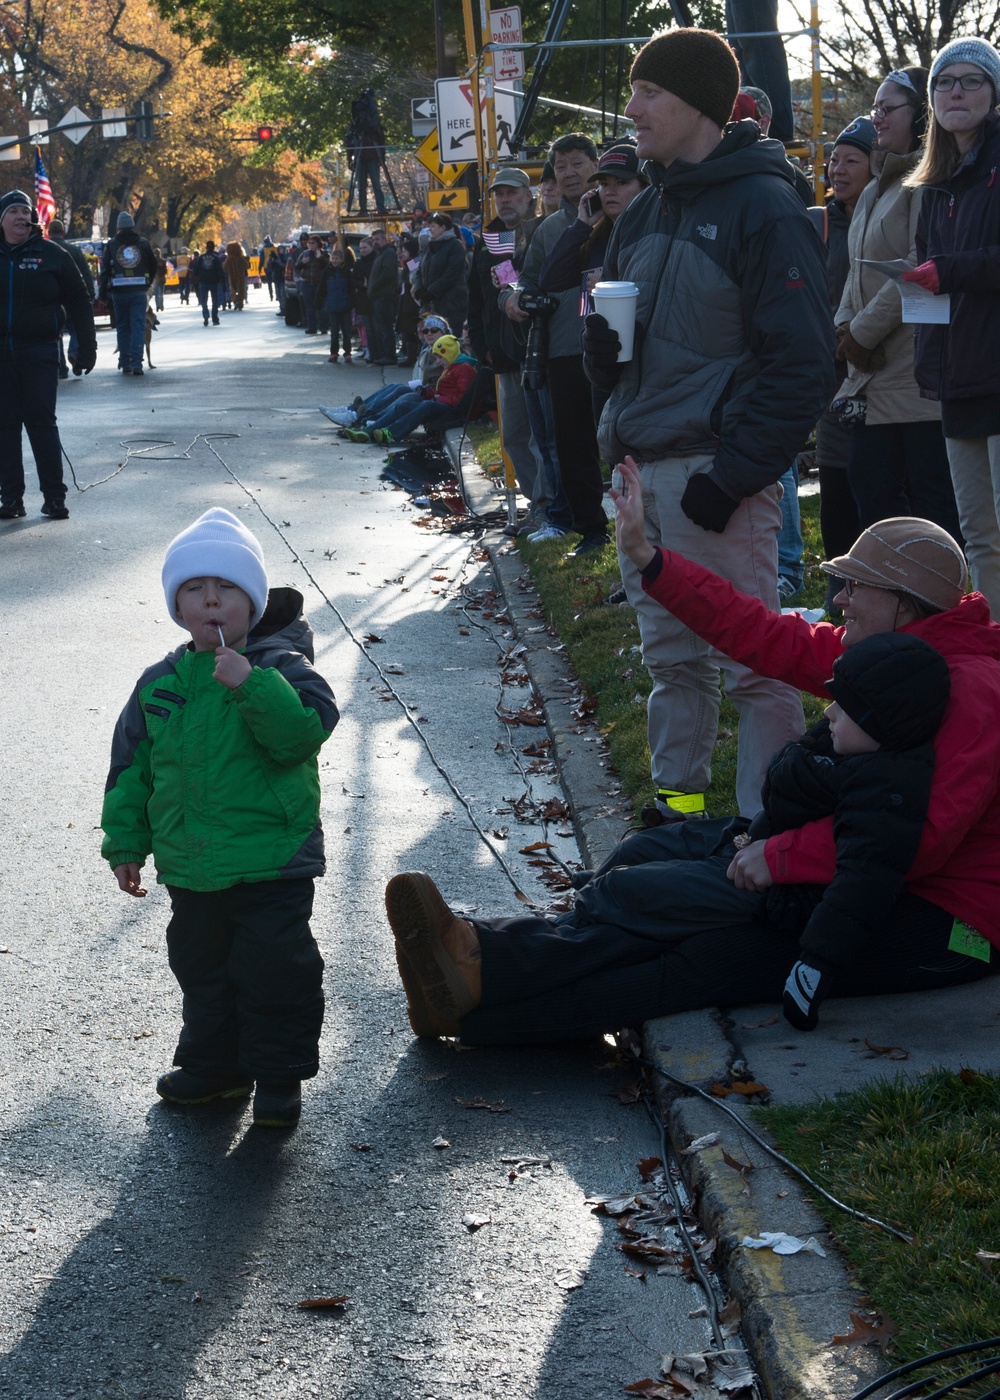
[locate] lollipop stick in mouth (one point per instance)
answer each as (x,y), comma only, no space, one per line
(221,637)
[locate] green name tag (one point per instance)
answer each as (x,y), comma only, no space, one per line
(966,940)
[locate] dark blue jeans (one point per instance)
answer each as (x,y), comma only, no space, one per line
(902,469)
(130,321)
(28,383)
(762,60)
(428,413)
(209,292)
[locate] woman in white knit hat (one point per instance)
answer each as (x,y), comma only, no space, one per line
(958,252)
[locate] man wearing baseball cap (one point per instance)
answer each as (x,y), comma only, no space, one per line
(497,342)
(734,367)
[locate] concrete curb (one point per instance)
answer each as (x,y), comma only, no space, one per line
(792,1304)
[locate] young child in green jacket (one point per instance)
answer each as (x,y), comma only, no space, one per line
(214,772)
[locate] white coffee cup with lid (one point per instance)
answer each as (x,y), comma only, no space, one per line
(616,302)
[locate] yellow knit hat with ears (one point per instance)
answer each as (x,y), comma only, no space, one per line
(448,346)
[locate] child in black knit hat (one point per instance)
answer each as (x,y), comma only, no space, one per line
(869,763)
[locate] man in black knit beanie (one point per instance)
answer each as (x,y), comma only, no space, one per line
(731,369)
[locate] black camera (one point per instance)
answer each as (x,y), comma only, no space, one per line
(537,303)
(536,351)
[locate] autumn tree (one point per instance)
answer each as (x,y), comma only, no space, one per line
(56,54)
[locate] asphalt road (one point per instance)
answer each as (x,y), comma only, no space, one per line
(151,1253)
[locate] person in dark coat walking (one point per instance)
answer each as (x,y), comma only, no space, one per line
(127,273)
(37,280)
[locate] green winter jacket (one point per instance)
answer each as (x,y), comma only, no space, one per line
(222,786)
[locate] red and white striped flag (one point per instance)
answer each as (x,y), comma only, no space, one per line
(44,202)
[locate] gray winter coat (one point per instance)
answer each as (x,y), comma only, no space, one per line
(734,353)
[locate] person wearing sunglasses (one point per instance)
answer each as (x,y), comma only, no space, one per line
(958,254)
(897,463)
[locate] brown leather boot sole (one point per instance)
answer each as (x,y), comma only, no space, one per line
(438,954)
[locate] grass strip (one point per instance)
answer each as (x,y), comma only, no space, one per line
(603,645)
(924,1155)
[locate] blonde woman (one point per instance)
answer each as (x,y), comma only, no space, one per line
(958,251)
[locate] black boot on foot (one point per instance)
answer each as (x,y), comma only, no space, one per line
(12,510)
(181,1086)
(56,510)
(277,1103)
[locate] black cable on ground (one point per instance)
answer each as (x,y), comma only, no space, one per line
(927,1360)
(773,1152)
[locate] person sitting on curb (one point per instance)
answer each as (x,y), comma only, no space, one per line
(586,975)
(437,406)
(426,372)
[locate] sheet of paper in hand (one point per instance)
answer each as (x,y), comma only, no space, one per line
(920,307)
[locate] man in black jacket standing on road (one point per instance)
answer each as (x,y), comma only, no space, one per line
(38,280)
(732,368)
(127,273)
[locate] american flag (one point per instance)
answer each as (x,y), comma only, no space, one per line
(501,243)
(44,202)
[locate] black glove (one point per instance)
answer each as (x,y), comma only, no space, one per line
(86,359)
(806,987)
(707,504)
(600,352)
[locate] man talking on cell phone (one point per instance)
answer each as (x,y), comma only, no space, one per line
(731,369)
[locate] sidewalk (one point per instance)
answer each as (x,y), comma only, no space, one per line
(792,1305)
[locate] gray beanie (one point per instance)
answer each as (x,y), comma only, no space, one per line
(124,221)
(976,51)
(217,545)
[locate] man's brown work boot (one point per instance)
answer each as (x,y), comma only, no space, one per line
(437,953)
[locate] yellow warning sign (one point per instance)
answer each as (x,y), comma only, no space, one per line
(448,199)
(429,155)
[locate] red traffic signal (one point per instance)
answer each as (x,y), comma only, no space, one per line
(265,133)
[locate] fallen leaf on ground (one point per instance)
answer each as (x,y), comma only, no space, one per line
(729,1377)
(568,1278)
(478,1102)
(475,1222)
(759,1025)
(337,1302)
(429,1078)
(196,1297)
(867,1334)
(744,1168)
(361,1146)
(440,1142)
(708,1140)
(888,1052)
(613,1205)
(640,1274)
(628,1093)
(746,1087)
(658,1390)
(536,846)
(648,1167)
(730,1317)
(372,640)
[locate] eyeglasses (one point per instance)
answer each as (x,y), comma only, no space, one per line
(884,111)
(968,82)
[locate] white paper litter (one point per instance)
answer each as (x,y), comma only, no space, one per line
(782,1243)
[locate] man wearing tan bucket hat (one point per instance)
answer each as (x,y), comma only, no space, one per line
(614,961)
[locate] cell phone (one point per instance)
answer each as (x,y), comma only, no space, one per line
(594,202)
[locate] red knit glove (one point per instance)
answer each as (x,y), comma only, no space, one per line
(926,275)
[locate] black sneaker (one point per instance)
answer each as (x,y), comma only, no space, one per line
(277,1103)
(180,1086)
(12,510)
(588,544)
(55,510)
(138,371)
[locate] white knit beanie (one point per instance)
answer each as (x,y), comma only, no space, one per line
(217,545)
(976,51)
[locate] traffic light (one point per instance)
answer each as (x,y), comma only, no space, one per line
(313,200)
(265,134)
(144,121)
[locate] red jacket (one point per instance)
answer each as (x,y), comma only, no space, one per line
(957,865)
(453,383)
